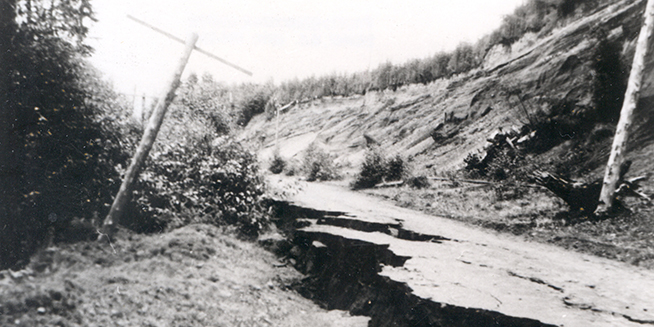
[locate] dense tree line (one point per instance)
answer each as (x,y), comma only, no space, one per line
(534,16)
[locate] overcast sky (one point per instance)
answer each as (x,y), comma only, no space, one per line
(279,40)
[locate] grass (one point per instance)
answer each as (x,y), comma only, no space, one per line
(198,275)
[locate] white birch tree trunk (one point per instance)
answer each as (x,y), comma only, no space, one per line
(612,174)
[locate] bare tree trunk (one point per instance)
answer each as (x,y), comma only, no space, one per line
(149,136)
(626,115)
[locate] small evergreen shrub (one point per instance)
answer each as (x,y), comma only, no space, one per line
(396,169)
(372,170)
(376,169)
(319,165)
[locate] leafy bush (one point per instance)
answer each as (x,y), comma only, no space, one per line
(197,173)
(207,101)
(252,104)
(205,183)
(319,165)
(507,164)
(396,169)
(376,169)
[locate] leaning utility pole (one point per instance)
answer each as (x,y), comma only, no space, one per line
(149,136)
(619,145)
(151,130)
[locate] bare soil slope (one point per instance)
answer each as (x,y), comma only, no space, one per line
(552,75)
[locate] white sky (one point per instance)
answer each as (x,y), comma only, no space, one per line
(279,40)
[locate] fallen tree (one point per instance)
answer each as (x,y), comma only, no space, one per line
(584,197)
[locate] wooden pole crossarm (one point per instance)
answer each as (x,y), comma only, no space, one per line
(207,53)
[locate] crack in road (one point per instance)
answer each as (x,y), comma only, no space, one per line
(537,281)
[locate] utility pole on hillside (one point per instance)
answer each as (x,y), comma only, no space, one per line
(619,146)
(151,130)
(149,136)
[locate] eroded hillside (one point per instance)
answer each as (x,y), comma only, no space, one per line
(563,88)
(558,97)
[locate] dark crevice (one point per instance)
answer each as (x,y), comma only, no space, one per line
(395,230)
(648,322)
(359,225)
(343,273)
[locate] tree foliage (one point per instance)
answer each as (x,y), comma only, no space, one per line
(60,139)
(196,172)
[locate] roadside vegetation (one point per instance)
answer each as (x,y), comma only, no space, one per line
(61,137)
(318,165)
(67,138)
(376,169)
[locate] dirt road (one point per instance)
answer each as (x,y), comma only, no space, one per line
(458,265)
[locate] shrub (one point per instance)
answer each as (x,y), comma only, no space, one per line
(197,173)
(474,166)
(372,170)
(292,167)
(252,104)
(376,169)
(396,169)
(506,164)
(217,184)
(277,164)
(418,182)
(318,165)
(203,99)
